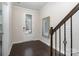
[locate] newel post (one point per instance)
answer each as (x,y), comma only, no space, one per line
(51,40)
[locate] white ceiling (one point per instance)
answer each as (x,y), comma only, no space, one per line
(30,5)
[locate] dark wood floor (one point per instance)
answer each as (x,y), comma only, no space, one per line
(32,48)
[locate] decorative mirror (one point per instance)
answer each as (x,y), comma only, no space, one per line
(45,26)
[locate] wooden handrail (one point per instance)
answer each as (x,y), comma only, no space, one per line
(71,13)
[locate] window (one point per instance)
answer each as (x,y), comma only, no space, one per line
(45,26)
(28,23)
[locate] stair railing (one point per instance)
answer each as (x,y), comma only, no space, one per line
(63,22)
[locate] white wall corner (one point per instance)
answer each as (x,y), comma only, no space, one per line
(46,41)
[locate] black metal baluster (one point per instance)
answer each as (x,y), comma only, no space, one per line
(64,39)
(51,52)
(71,34)
(55,43)
(59,41)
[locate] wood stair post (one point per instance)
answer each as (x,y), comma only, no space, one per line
(51,40)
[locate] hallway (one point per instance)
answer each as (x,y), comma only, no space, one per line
(26,28)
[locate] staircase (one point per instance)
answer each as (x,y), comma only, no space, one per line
(62,34)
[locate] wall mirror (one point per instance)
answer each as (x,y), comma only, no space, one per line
(28,23)
(45,26)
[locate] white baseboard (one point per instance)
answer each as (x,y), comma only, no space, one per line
(47,43)
(75,50)
(24,41)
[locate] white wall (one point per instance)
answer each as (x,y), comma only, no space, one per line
(7,36)
(57,11)
(75,24)
(19,35)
